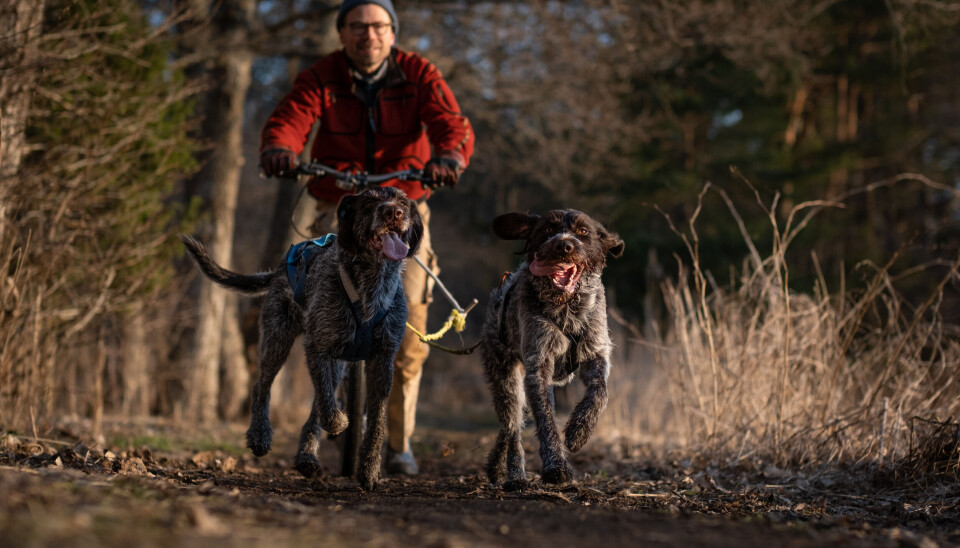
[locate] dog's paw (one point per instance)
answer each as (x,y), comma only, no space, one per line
(336,424)
(308,466)
(259,439)
(368,482)
(496,466)
(558,475)
(515,485)
(575,438)
(496,475)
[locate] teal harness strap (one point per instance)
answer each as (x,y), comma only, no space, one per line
(298,257)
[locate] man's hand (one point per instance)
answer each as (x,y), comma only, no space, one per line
(445,168)
(277,161)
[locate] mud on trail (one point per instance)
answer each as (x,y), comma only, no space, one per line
(152,484)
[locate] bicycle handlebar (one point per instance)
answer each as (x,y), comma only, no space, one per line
(359,181)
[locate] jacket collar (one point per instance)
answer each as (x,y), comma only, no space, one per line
(394,76)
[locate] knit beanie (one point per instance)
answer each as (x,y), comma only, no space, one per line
(348,5)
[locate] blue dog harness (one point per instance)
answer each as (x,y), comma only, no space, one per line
(362,343)
(298,259)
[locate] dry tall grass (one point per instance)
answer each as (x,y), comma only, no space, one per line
(756,371)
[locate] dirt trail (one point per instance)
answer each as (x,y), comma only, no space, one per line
(203,490)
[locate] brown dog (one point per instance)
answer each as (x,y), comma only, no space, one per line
(352,308)
(546,322)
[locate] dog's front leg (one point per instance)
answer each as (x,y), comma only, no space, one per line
(506,459)
(539,373)
(587,413)
(379,378)
(325,372)
(306,459)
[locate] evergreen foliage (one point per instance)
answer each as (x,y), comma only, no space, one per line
(849,97)
(111,123)
(92,213)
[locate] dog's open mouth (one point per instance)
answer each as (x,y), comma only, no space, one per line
(391,245)
(564,275)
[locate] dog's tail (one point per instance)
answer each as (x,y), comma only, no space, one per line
(254,284)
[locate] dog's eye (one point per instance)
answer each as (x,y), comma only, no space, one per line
(582,231)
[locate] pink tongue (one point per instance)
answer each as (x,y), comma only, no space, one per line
(393,247)
(538,268)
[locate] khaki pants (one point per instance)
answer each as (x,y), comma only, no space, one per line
(418,287)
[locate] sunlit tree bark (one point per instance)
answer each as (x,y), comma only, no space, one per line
(230,62)
(20,25)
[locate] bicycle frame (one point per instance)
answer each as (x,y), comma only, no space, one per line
(353,390)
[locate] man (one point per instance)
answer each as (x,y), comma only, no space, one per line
(380,110)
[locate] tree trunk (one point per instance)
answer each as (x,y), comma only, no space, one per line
(136,365)
(223,127)
(20,25)
(235,375)
(289,222)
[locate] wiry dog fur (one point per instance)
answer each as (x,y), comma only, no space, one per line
(364,220)
(545,322)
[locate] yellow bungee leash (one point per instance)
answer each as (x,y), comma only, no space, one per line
(457,319)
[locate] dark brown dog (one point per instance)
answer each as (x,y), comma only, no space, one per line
(377,229)
(546,322)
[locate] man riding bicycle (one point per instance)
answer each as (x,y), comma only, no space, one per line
(380,110)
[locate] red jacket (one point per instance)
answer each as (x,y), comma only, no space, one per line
(414,111)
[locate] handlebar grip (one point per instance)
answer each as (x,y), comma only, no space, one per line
(430,183)
(293,173)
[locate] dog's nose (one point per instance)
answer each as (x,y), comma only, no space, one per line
(564,246)
(393,212)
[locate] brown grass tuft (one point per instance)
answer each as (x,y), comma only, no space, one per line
(934,450)
(757,371)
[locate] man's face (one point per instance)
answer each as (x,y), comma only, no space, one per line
(361,38)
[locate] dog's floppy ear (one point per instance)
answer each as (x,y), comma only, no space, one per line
(612,243)
(415,234)
(515,226)
(346,215)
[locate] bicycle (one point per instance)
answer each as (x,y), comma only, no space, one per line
(352,385)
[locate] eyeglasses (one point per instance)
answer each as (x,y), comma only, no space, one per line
(360,29)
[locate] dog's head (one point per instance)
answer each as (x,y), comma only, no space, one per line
(379,222)
(562,244)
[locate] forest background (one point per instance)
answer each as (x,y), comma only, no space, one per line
(784,174)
